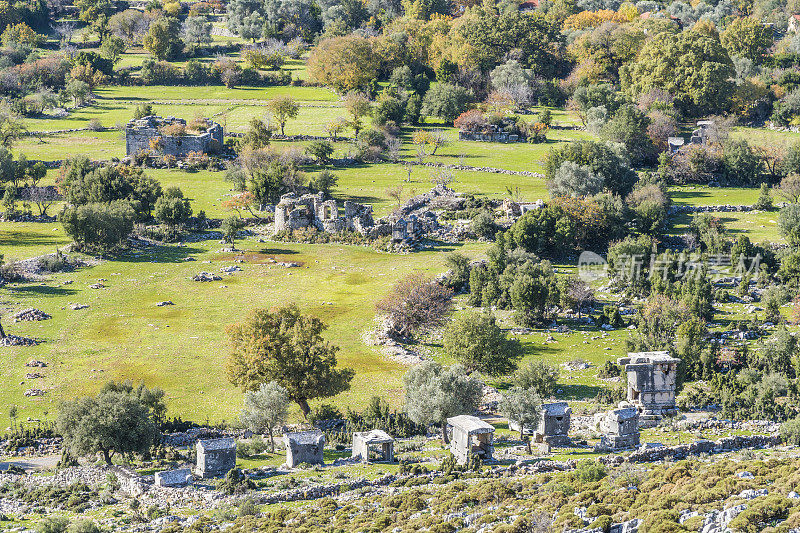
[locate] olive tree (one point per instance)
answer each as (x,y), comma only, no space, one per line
(265,408)
(524,407)
(434,393)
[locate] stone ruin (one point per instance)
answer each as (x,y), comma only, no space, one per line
(470,435)
(215,457)
(492,136)
(364,441)
(313,211)
(139,132)
(305,447)
(553,427)
(512,209)
(650,384)
(173,478)
(619,428)
(408,223)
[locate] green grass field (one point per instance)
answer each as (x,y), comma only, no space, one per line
(182,348)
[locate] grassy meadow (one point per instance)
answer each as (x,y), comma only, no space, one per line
(182,348)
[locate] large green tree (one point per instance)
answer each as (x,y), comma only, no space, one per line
(747,37)
(477,342)
(114,421)
(286,347)
(692,66)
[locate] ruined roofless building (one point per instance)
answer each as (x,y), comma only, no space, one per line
(162,131)
(313,211)
(651,384)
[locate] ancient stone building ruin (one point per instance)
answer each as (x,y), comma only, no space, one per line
(470,435)
(304,447)
(313,211)
(376,440)
(215,457)
(619,428)
(173,478)
(140,132)
(651,384)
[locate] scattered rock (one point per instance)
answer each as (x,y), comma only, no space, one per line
(15,340)
(230,269)
(164,303)
(31,315)
(33,363)
(34,392)
(76,307)
(97,286)
(206,276)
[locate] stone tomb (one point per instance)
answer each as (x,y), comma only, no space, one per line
(304,447)
(619,428)
(651,384)
(366,440)
(215,457)
(173,478)
(470,434)
(554,425)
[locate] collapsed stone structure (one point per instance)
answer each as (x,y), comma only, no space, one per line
(471,435)
(140,132)
(173,478)
(304,447)
(619,428)
(313,211)
(363,441)
(651,384)
(215,457)
(408,223)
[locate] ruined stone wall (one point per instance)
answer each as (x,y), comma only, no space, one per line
(138,138)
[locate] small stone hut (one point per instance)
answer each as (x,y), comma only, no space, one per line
(619,428)
(651,384)
(304,447)
(470,434)
(139,133)
(173,478)
(215,457)
(366,440)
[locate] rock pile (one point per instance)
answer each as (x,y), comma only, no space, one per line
(206,276)
(33,363)
(164,303)
(34,392)
(30,315)
(15,340)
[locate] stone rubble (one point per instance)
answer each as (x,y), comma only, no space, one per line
(206,276)
(30,315)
